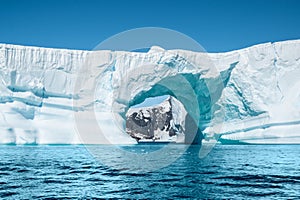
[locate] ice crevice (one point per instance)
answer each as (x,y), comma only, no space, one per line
(276,70)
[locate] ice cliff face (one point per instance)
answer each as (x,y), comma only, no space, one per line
(248,95)
(36,92)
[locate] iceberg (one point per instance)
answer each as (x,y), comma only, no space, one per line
(59,96)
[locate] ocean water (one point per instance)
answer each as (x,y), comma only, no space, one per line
(229,171)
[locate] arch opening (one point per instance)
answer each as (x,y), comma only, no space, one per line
(185,97)
(158,119)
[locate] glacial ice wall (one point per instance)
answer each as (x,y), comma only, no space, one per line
(49,95)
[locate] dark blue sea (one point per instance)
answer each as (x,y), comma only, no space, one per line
(228,172)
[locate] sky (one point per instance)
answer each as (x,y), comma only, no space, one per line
(218,26)
(151,101)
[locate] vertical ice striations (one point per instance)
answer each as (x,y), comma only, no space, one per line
(36,92)
(249,95)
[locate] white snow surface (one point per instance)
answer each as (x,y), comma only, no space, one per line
(73,96)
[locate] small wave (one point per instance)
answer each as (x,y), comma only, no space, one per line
(137,191)
(166,180)
(94,172)
(291,181)
(260,194)
(65,167)
(272,179)
(173,174)
(23,170)
(10,169)
(78,171)
(209,172)
(87,167)
(240,185)
(133,174)
(8,194)
(48,197)
(182,196)
(242,178)
(126,190)
(56,181)
(99,180)
(203,172)
(9,187)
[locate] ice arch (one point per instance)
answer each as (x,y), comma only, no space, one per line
(183,88)
(120,84)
